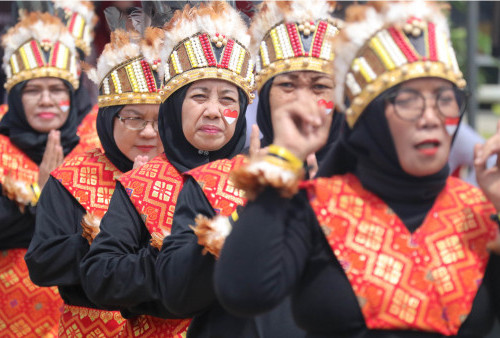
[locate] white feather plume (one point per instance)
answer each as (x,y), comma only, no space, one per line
(84,8)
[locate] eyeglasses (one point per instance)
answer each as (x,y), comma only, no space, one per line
(134,123)
(410,104)
(35,93)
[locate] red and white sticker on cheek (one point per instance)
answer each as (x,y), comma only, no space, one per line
(64,105)
(230,115)
(451,124)
(328,106)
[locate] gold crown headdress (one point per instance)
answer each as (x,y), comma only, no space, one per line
(123,75)
(39,46)
(390,44)
(292,36)
(80,19)
(209,41)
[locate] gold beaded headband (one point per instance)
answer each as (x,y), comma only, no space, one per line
(208,42)
(80,19)
(123,74)
(39,46)
(292,36)
(413,43)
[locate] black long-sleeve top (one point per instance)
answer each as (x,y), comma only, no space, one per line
(54,255)
(119,268)
(185,279)
(16,227)
(278,248)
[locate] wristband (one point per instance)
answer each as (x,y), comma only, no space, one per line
(36,193)
(285,154)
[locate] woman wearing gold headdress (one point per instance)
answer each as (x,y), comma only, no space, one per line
(80,189)
(390,245)
(39,130)
(208,83)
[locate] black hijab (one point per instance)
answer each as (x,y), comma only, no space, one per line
(31,142)
(178,150)
(369,152)
(104,124)
(266,126)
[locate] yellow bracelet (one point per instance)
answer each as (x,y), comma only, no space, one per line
(280,162)
(286,155)
(36,191)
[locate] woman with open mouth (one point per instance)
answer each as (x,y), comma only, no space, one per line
(385,243)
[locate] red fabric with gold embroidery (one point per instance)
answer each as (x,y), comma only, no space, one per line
(90,177)
(153,189)
(26,310)
(153,327)
(213,179)
(79,321)
(426,280)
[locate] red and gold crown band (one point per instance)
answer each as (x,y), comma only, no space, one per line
(389,58)
(202,56)
(296,46)
(39,45)
(132,82)
(36,59)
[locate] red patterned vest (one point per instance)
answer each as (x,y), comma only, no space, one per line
(426,280)
(153,189)
(90,177)
(213,179)
(26,309)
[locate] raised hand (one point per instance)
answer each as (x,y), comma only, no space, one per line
(255,150)
(52,157)
(302,126)
(489,178)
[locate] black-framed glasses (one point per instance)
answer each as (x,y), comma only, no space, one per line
(410,104)
(135,123)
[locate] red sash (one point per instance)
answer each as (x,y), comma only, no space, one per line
(90,177)
(426,280)
(213,179)
(87,132)
(26,310)
(3,110)
(153,189)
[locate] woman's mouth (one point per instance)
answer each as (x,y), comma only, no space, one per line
(428,147)
(210,129)
(46,115)
(145,149)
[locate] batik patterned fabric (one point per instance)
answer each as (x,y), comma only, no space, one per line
(153,327)
(153,189)
(90,178)
(26,310)
(214,180)
(79,321)
(426,280)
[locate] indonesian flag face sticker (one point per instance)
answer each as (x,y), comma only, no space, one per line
(328,106)
(64,105)
(230,115)
(452,124)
